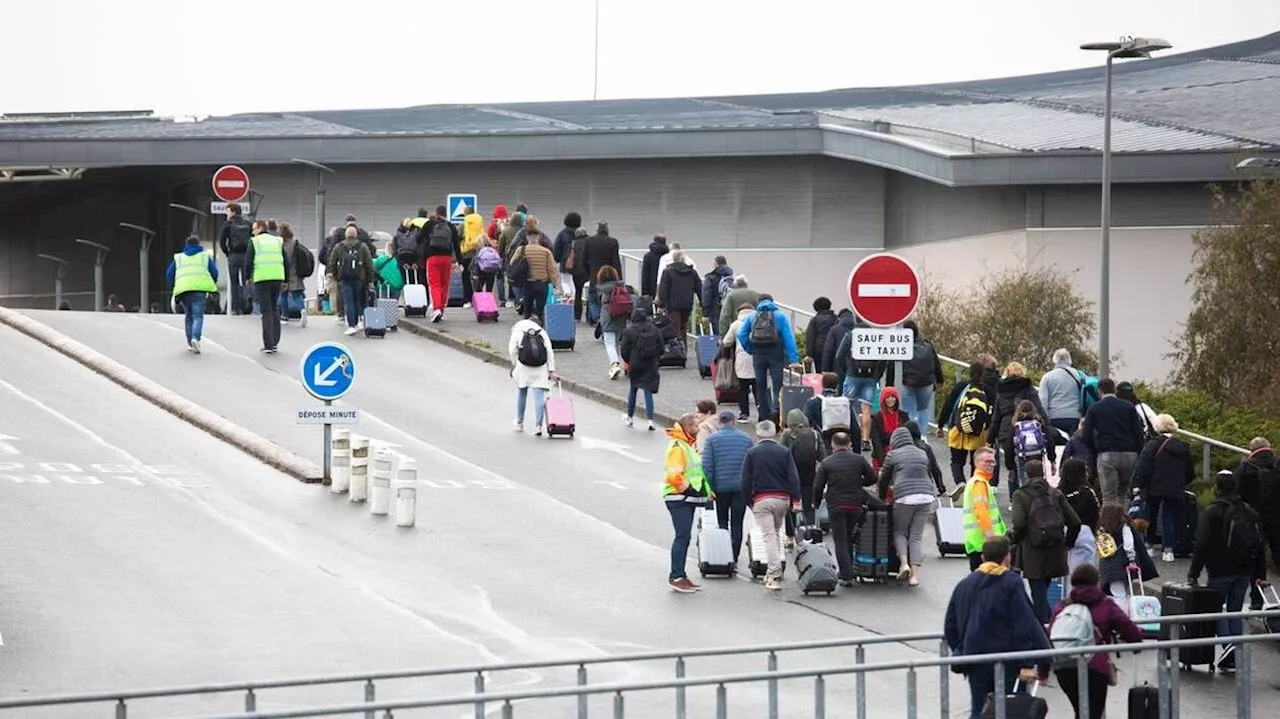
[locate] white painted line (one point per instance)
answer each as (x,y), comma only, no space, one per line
(884,290)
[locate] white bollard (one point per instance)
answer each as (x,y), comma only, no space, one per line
(406,490)
(359,469)
(341,461)
(380,484)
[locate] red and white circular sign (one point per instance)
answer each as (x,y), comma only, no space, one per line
(230,183)
(884,289)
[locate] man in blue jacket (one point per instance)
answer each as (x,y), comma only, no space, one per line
(990,613)
(767,336)
(722,463)
(771,485)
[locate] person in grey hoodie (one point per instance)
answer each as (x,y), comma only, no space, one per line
(1060,396)
(906,470)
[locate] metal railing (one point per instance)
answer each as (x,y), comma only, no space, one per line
(1167,664)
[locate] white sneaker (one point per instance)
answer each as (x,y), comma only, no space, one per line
(519,426)
(652,426)
(303,321)
(191,345)
(614,370)
(537,431)
(195,346)
(436,316)
(1167,556)
(340,321)
(351,330)
(466,305)
(629,421)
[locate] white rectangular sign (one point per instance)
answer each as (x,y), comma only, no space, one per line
(220,208)
(874,344)
(336,414)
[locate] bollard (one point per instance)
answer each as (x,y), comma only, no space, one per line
(380,483)
(405,489)
(341,461)
(359,469)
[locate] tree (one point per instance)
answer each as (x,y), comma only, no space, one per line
(1231,342)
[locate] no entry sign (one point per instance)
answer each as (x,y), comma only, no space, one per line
(230,183)
(884,289)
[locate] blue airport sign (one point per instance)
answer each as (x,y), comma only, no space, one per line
(328,371)
(458,203)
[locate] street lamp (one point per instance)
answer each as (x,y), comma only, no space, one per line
(144,289)
(196,216)
(58,277)
(1126,47)
(321,171)
(98,263)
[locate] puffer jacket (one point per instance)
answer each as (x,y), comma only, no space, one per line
(815,338)
(1164,468)
(906,469)
(542,263)
(1009,393)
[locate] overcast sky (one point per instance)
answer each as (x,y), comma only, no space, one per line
(198,58)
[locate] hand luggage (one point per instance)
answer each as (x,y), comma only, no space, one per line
(1018,705)
(824,517)
(456,296)
(374,325)
(561,327)
(1143,607)
(757,559)
(707,348)
(1270,603)
(388,307)
(1181,599)
(1190,517)
(1057,590)
(817,568)
(673,355)
(415,293)
(559,413)
(295,304)
(872,546)
(645,302)
(724,378)
(1144,702)
(948,528)
(715,546)
(791,396)
(811,379)
(485,306)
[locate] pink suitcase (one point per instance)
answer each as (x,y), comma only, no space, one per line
(560,419)
(812,380)
(485,306)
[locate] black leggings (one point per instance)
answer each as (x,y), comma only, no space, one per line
(745,388)
(1069,682)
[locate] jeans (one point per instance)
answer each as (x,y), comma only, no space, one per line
(908,530)
(958,459)
(917,402)
(500,283)
(467,289)
(861,390)
(1040,599)
(1114,471)
(351,300)
(439,272)
(268,293)
(593,304)
(579,285)
(767,369)
(299,298)
(731,507)
(682,514)
(745,388)
(611,346)
(193,310)
(1069,683)
(771,514)
(844,524)
(648,402)
(535,300)
(237,279)
(1232,591)
(1170,513)
(982,681)
(539,403)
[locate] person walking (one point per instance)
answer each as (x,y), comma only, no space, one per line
(562,248)
(268,268)
(613,316)
(1060,390)
(715,285)
(649,266)
(772,488)
(640,349)
(1161,475)
(744,367)
(1044,527)
(234,243)
(841,482)
(1013,388)
(740,295)
(542,273)
(443,252)
(678,289)
(352,266)
(1113,433)
(722,464)
(193,275)
(767,336)
(964,420)
(815,334)
(920,375)
(981,512)
(599,250)
(906,472)
(293,295)
(533,367)
(685,491)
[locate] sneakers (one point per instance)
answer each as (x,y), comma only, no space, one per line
(652,427)
(195,346)
(303,321)
(436,316)
(615,370)
(1167,556)
(191,345)
(537,431)
(350,331)
(903,572)
(466,305)
(772,583)
(744,418)
(683,585)
(340,321)
(628,420)
(519,426)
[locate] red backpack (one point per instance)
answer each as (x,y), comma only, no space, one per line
(620,302)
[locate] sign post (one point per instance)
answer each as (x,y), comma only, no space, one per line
(328,371)
(457,204)
(884,290)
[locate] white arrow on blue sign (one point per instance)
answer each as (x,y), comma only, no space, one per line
(328,371)
(457,205)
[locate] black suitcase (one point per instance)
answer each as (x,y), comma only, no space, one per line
(1181,599)
(872,546)
(1018,705)
(1144,702)
(673,355)
(1187,534)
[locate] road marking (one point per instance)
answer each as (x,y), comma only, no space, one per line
(615,485)
(69,473)
(6,447)
(608,446)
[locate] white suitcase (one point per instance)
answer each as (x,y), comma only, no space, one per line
(415,295)
(715,546)
(948,526)
(757,559)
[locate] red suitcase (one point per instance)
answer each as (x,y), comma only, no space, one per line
(485,306)
(560,417)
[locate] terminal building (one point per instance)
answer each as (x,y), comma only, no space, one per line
(792,188)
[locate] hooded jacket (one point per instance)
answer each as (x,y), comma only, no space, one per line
(642,333)
(737,297)
(1212,552)
(840,330)
(884,422)
(722,458)
(906,469)
(1164,468)
(189,250)
(1039,562)
(842,479)
(710,298)
(499,214)
(472,229)
(678,287)
(801,438)
(649,268)
(786,347)
(990,612)
(768,471)
(1258,481)
(1009,393)
(609,323)
(1108,618)
(815,337)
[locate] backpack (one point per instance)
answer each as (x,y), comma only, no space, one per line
(620,302)
(441,236)
(349,262)
(1107,546)
(973,413)
(488,260)
(1046,528)
(836,412)
(725,287)
(1028,438)
(764,329)
(304,261)
(1072,628)
(241,229)
(650,345)
(1089,394)
(1241,523)
(918,371)
(406,246)
(532,351)
(804,450)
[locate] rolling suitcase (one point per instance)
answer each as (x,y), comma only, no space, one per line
(757,559)
(706,347)
(456,296)
(1018,705)
(948,528)
(374,323)
(673,355)
(415,293)
(724,378)
(812,379)
(1144,608)
(871,546)
(561,420)
(792,396)
(1144,702)
(485,306)
(715,546)
(560,326)
(817,568)
(1180,599)
(389,308)
(1190,517)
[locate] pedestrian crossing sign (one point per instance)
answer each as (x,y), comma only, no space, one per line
(457,205)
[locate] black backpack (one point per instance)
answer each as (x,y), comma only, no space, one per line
(649,345)
(441,236)
(918,371)
(804,448)
(1046,526)
(406,246)
(1241,522)
(304,262)
(764,329)
(349,262)
(533,351)
(241,229)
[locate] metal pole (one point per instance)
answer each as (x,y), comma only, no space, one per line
(595,77)
(1244,682)
(819,697)
(1175,670)
(1206,464)
(1162,682)
(619,708)
(911,694)
(582,698)
(144,249)
(944,682)
(1082,679)
(97,287)
(328,452)
(57,290)
(370,696)
(773,686)
(722,702)
(1104,296)
(479,690)
(680,696)
(860,681)
(999,690)
(122,711)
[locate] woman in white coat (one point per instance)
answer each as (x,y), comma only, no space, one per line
(533,366)
(743,365)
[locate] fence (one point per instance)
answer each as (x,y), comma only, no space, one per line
(1167,675)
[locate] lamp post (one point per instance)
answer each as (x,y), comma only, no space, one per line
(321,172)
(1126,47)
(144,249)
(58,277)
(196,215)
(99,261)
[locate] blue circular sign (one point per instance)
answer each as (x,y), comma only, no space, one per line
(328,371)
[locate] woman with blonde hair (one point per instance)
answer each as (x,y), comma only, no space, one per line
(1163,471)
(1013,388)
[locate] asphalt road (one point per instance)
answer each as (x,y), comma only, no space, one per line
(525,548)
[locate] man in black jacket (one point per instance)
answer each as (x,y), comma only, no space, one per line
(649,268)
(840,481)
(1258,483)
(771,486)
(677,290)
(598,251)
(842,327)
(815,335)
(720,276)
(1113,432)
(234,243)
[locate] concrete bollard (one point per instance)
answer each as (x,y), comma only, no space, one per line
(359,469)
(380,484)
(341,461)
(406,490)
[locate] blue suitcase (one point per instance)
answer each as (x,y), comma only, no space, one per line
(706,347)
(560,326)
(456,296)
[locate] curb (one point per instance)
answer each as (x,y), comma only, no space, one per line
(494,357)
(254,445)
